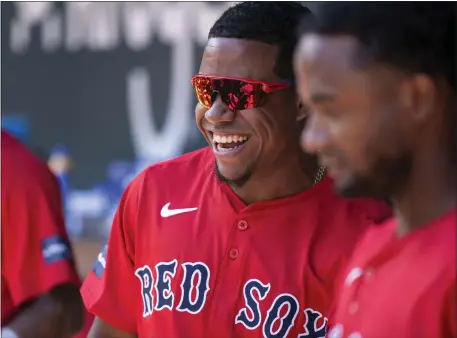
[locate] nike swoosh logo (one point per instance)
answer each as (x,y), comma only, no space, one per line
(166,212)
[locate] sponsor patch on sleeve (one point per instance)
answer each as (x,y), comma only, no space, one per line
(100,263)
(54,249)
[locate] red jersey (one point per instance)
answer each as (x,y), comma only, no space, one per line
(36,253)
(400,287)
(187,258)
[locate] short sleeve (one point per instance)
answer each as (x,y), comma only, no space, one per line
(37,255)
(106,290)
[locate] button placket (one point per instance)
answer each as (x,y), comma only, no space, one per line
(355,280)
(234,252)
(230,279)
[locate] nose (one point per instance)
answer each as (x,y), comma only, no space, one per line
(219,112)
(314,136)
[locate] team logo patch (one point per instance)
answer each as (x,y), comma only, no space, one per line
(55,249)
(100,263)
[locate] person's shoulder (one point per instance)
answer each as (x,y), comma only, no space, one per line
(189,169)
(440,237)
(18,162)
(13,151)
(191,164)
(448,222)
(351,210)
(378,235)
(196,159)
(343,222)
(375,210)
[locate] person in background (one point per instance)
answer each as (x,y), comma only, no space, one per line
(60,163)
(244,238)
(39,289)
(379,79)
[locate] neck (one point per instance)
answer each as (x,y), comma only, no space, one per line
(429,193)
(286,178)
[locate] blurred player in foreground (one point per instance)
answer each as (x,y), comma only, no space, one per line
(40,297)
(243,238)
(379,79)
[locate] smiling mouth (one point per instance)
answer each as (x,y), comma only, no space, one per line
(228,143)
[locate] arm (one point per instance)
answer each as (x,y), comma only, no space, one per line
(39,272)
(104,290)
(44,317)
(101,329)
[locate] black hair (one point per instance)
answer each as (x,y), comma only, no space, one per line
(414,37)
(273,23)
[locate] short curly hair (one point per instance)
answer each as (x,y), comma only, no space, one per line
(273,23)
(416,36)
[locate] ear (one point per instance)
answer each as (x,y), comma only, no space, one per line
(420,95)
(302,110)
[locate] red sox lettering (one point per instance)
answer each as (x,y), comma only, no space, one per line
(157,295)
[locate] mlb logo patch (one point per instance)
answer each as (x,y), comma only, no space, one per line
(55,249)
(100,263)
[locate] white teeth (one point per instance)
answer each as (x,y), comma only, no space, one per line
(228,138)
(222,149)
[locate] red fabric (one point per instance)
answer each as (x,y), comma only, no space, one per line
(31,219)
(289,250)
(405,287)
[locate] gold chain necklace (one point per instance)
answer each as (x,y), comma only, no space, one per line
(319,175)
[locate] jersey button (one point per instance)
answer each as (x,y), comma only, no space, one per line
(353,308)
(336,331)
(233,253)
(369,273)
(242,225)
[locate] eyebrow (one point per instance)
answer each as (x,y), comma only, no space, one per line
(322,97)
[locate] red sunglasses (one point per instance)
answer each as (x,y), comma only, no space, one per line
(236,93)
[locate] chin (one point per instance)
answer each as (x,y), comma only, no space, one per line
(232,178)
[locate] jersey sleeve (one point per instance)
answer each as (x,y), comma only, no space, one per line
(107,289)
(37,255)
